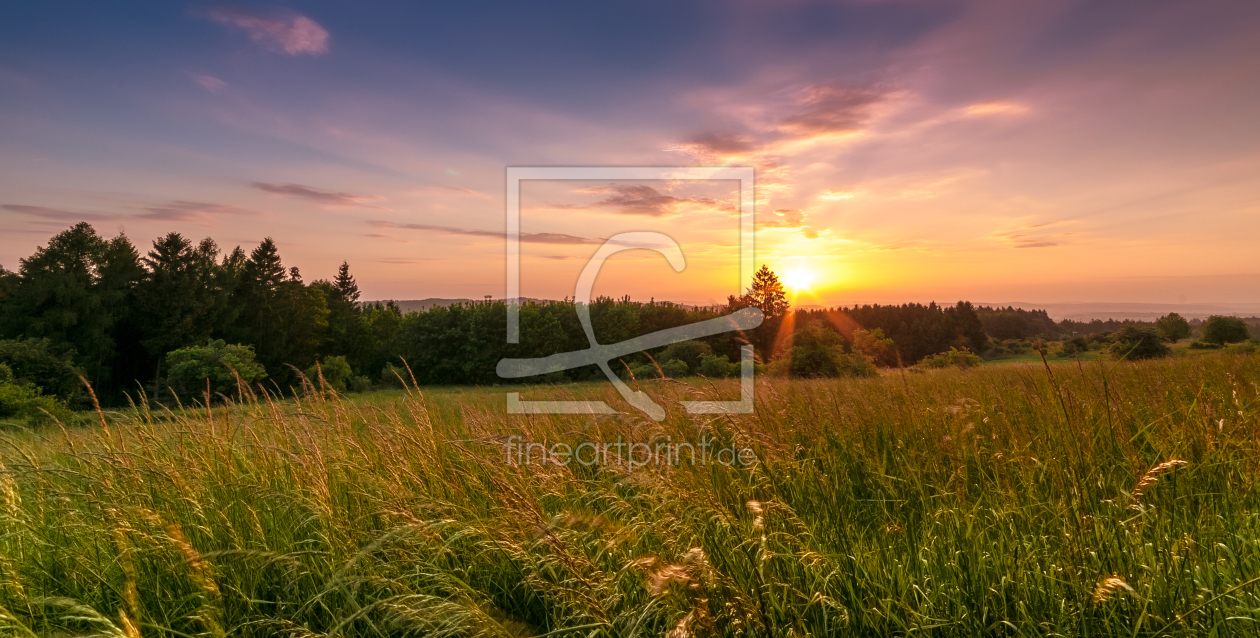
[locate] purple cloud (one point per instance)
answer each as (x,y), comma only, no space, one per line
(330,198)
(527,238)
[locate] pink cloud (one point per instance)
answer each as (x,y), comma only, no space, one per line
(291,33)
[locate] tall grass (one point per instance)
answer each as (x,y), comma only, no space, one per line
(1010,500)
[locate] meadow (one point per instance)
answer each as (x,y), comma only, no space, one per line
(1093,498)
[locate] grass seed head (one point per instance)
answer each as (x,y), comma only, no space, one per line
(1109,586)
(1152,475)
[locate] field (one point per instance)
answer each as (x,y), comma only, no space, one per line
(1017,500)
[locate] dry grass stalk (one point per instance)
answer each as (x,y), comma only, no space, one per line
(1109,586)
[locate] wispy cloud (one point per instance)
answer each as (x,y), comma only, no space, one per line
(532,238)
(288,32)
(830,109)
(210,83)
(449,190)
(328,198)
(46,212)
(179,210)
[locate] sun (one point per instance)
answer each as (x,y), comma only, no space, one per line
(798,278)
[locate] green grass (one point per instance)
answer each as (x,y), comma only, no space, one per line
(993,501)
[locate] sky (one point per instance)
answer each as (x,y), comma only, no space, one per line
(908,150)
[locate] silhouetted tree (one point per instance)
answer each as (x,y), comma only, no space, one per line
(1222,330)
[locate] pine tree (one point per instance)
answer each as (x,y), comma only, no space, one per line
(344,283)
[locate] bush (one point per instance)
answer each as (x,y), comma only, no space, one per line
(1222,330)
(1074,346)
(689,352)
(718,367)
(26,402)
(955,357)
(1199,345)
(1134,343)
(393,376)
(188,369)
(359,383)
(675,369)
(335,370)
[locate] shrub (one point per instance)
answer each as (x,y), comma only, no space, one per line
(1222,330)
(1173,327)
(27,403)
(675,369)
(335,370)
(672,369)
(1199,345)
(359,383)
(689,352)
(819,352)
(1135,343)
(188,369)
(718,367)
(955,357)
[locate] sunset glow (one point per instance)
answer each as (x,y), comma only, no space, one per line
(923,151)
(799,278)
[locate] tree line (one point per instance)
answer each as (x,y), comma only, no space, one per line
(193,318)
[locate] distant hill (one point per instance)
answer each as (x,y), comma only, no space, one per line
(1135,311)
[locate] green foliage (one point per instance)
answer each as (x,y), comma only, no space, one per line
(1074,347)
(718,367)
(1134,343)
(336,372)
(74,292)
(675,369)
(1173,327)
(393,376)
(26,403)
(767,294)
(689,352)
(189,368)
(874,345)
(819,352)
(34,361)
(1221,330)
(358,383)
(954,358)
